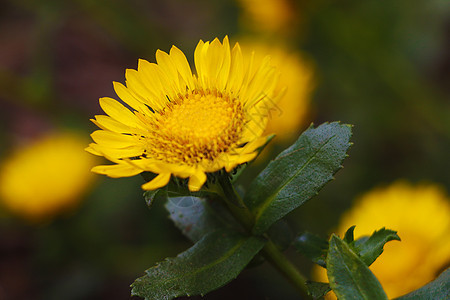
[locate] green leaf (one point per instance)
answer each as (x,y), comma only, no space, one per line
(317,290)
(370,248)
(349,235)
(297,174)
(197,217)
(349,276)
(151,196)
(313,247)
(211,263)
(437,289)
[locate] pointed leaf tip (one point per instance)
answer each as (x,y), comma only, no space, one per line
(370,248)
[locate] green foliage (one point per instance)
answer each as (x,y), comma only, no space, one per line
(437,289)
(211,263)
(281,234)
(349,276)
(298,173)
(197,217)
(223,249)
(151,196)
(349,235)
(313,247)
(349,273)
(317,289)
(370,248)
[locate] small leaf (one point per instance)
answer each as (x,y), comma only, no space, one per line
(317,290)
(370,248)
(297,174)
(349,276)
(197,217)
(437,289)
(313,247)
(211,263)
(349,235)
(151,196)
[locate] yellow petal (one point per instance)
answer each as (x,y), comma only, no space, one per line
(226,65)
(130,151)
(135,84)
(113,139)
(256,82)
(157,182)
(92,150)
(108,123)
(253,145)
(248,75)
(166,65)
(119,112)
(200,62)
(129,99)
(214,60)
(157,83)
(236,70)
(182,64)
(116,171)
(196,181)
(235,160)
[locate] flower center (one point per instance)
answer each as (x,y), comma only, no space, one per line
(196,127)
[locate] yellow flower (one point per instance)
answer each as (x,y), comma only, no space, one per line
(268,16)
(46,177)
(296,73)
(183,124)
(421,215)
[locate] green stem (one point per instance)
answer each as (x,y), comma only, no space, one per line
(285,267)
(235,203)
(270,250)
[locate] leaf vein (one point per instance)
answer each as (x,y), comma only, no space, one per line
(222,258)
(263,207)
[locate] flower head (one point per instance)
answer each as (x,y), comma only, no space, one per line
(46,177)
(421,215)
(177,123)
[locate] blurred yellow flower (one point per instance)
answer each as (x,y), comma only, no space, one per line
(46,177)
(421,215)
(187,125)
(267,16)
(296,74)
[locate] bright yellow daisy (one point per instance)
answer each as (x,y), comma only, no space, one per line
(421,215)
(175,123)
(46,177)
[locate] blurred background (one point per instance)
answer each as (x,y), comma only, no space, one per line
(383,66)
